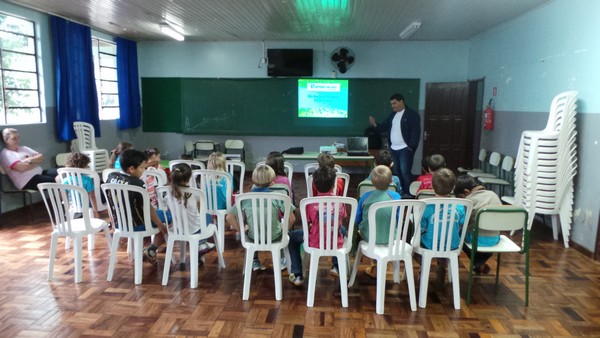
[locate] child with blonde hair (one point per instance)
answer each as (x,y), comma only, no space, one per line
(262,178)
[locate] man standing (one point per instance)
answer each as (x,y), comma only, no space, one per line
(404,128)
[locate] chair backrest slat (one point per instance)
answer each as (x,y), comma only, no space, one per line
(58,199)
(263,206)
(333,213)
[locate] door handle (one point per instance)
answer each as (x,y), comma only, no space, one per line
(425,135)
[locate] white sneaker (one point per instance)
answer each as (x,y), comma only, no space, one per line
(283,263)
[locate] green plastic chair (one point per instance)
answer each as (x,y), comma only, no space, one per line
(501,218)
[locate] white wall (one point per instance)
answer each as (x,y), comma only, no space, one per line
(240,60)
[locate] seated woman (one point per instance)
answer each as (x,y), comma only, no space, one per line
(22,163)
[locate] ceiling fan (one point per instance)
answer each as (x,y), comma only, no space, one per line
(342,58)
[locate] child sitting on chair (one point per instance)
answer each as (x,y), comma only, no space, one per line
(262,178)
(443,181)
(384,157)
(434,162)
(381,176)
(467,187)
(133,163)
(326,160)
(323,179)
(78,160)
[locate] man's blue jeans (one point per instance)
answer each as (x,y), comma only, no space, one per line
(403,161)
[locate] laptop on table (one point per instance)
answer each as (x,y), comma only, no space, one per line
(358,146)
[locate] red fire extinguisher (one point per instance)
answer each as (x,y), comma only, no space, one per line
(488,117)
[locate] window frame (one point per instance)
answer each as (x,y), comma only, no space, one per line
(37,91)
(98,55)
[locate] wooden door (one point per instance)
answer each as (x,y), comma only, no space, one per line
(450,121)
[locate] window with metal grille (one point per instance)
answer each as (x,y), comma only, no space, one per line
(20,93)
(105,69)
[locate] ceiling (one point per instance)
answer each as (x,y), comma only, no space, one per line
(288,20)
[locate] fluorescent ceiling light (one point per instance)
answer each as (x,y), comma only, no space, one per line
(410,29)
(170,31)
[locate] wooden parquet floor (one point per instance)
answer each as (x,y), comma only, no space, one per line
(564,296)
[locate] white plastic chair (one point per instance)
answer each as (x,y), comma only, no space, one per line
(180,230)
(154,178)
(308,170)
(235,147)
(86,136)
(59,200)
(328,239)
(262,205)
(444,215)
(425,194)
(99,159)
(494,163)
(61,159)
(202,149)
(481,159)
(107,172)
(414,187)
(280,188)
(194,165)
(232,167)
(501,218)
(504,178)
(85,143)
(210,183)
(345,177)
(366,186)
(403,213)
(74,176)
(188,148)
(122,215)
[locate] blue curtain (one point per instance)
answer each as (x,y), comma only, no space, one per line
(129,88)
(76,96)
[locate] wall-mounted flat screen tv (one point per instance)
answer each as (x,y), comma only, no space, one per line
(290,62)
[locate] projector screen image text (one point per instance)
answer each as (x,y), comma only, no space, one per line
(319,98)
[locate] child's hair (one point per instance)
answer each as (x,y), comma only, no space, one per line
(384,157)
(180,177)
(464,182)
(77,160)
(443,181)
(326,160)
(186,157)
(324,179)
(119,149)
(275,160)
(263,175)
(152,151)
(132,158)
(216,161)
(381,176)
(435,162)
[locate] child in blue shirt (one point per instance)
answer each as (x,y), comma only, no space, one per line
(443,182)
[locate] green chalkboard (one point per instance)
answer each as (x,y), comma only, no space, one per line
(265,106)
(161,104)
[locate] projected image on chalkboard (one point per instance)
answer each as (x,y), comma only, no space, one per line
(322,98)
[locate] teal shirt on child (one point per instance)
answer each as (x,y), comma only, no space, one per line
(383,216)
(427,226)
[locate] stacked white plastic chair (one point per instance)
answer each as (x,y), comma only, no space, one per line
(546,165)
(86,144)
